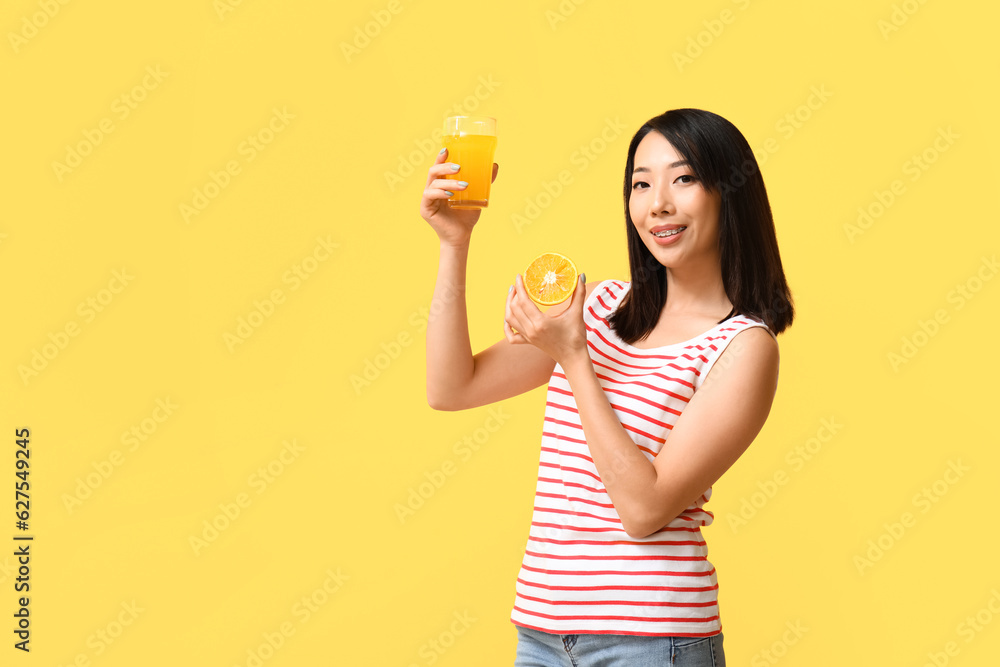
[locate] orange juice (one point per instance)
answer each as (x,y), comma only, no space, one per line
(474,154)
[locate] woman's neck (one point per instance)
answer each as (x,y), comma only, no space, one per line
(696,291)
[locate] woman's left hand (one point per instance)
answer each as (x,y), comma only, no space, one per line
(562,335)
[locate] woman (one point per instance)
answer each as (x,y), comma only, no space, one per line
(655,388)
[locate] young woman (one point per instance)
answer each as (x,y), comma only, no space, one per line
(656,386)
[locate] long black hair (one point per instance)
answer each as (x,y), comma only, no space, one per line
(752,276)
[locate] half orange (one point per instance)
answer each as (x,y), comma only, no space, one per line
(550,279)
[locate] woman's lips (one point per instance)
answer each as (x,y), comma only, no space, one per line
(667,240)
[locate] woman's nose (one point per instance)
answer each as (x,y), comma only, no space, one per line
(661,202)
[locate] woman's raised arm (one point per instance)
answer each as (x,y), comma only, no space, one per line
(457,380)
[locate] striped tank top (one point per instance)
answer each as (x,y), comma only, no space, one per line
(581,572)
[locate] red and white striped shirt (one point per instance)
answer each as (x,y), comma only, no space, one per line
(581,571)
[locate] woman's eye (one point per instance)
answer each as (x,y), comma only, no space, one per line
(690,178)
(636,185)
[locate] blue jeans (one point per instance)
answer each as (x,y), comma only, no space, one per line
(542,649)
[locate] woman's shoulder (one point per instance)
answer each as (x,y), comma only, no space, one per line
(743,333)
(753,343)
(742,323)
(747,355)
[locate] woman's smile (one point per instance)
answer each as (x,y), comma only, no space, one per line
(667,234)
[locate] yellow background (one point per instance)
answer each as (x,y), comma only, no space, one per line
(356,114)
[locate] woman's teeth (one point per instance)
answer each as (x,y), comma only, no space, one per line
(669,232)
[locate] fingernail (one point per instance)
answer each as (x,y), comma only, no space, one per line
(583,277)
(463,184)
(449,193)
(441,152)
(510,289)
(454,167)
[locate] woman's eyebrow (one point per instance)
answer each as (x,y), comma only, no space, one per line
(672,165)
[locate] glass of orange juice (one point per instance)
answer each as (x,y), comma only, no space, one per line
(471,141)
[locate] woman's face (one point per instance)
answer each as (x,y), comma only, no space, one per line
(667,196)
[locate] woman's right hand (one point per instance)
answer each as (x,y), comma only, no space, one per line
(453,226)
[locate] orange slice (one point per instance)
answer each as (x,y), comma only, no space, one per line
(550,279)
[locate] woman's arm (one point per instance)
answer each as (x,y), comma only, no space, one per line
(715,428)
(450,364)
(457,380)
